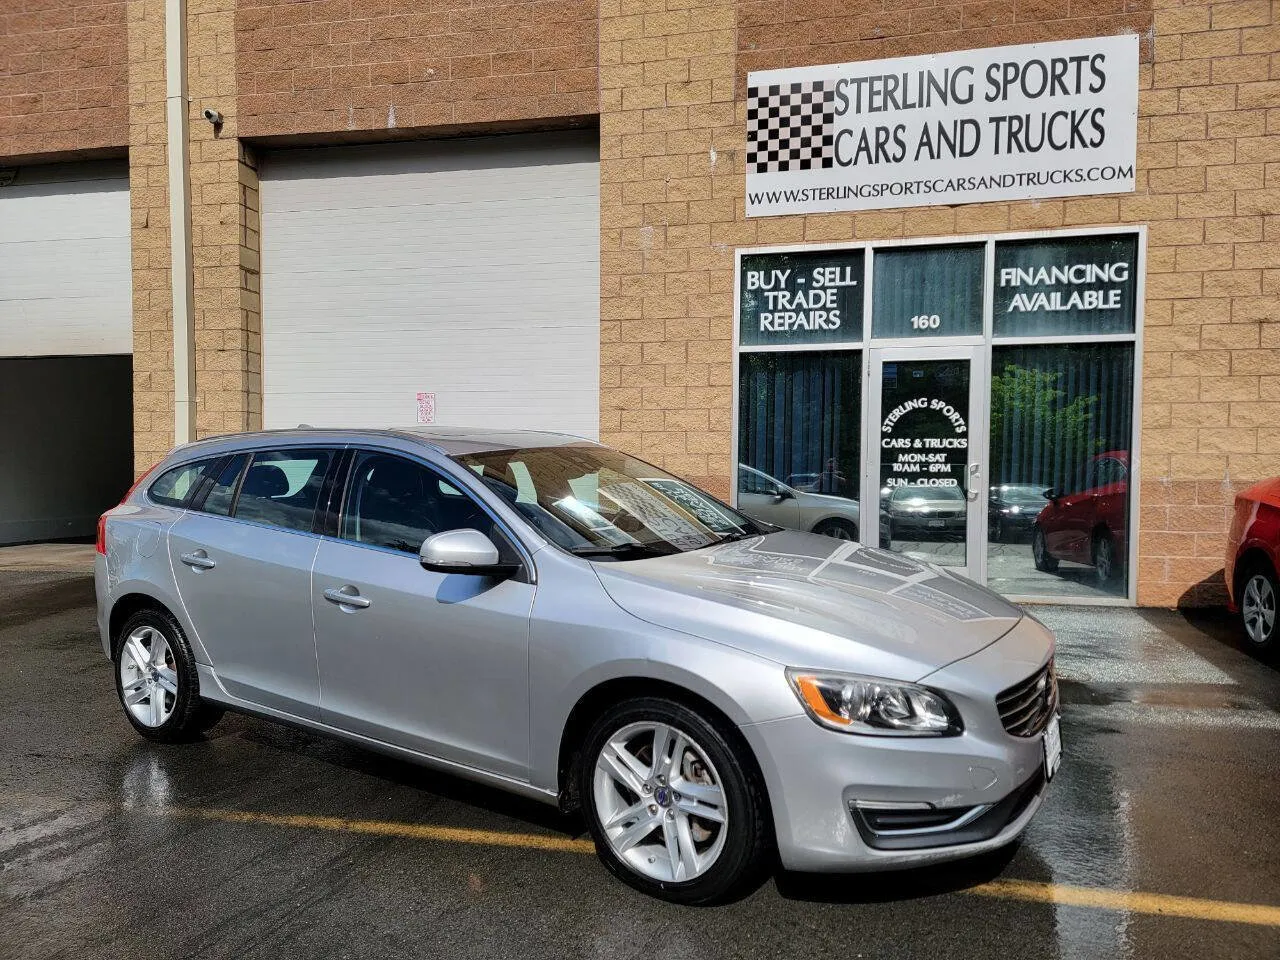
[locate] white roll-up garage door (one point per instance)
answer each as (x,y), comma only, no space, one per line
(467,270)
(64,261)
(66,339)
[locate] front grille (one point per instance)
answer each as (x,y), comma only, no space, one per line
(1026,707)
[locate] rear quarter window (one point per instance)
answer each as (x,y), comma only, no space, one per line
(172,487)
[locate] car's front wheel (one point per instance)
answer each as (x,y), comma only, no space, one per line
(1258,608)
(156,679)
(674,809)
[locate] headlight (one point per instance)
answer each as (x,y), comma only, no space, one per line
(869,705)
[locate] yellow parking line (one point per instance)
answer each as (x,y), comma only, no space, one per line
(1097,898)
(1159,904)
(415,831)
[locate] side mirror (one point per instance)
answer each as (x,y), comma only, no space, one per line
(464,551)
(1051,495)
(782,493)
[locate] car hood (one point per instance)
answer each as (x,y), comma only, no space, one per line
(810,601)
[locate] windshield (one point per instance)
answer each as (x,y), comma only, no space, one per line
(598,502)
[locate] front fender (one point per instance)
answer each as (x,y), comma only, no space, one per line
(580,639)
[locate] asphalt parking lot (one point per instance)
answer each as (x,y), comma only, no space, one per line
(1160,838)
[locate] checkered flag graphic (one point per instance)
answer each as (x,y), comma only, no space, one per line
(789,127)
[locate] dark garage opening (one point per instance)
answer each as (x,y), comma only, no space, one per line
(66,444)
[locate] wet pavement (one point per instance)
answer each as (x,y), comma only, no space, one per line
(243,846)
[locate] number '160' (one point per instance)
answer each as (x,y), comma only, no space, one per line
(926,321)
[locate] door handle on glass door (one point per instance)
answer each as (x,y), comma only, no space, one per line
(347,596)
(971,482)
(198,560)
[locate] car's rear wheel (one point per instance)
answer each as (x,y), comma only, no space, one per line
(156,679)
(1040,552)
(673,808)
(835,527)
(1258,608)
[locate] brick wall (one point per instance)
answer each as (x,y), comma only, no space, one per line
(149,210)
(62,77)
(1208,185)
(336,66)
(224,233)
(670,213)
(805,32)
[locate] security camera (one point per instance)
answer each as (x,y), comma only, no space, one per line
(213,116)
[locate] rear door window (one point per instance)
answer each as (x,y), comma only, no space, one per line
(281,488)
(173,487)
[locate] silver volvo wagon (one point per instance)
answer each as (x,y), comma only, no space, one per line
(564,621)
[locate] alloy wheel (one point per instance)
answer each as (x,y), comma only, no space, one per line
(1258,608)
(660,802)
(148,676)
(1104,559)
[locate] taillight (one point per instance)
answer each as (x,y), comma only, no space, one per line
(101,545)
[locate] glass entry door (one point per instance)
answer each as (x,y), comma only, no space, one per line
(926,459)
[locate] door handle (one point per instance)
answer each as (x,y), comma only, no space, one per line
(198,560)
(343,598)
(971,481)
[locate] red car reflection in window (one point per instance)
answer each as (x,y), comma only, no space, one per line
(1253,556)
(1088,525)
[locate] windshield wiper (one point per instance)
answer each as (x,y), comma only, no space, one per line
(740,535)
(623,551)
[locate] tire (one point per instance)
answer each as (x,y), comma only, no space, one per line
(1257,595)
(837,528)
(160,672)
(622,786)
(1106,564)
(1040,552)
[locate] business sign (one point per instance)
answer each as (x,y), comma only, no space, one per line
(787,299)
(1003,123)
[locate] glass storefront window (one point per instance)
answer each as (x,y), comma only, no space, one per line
(927,292)
(801,299)
(1039,505)
(1058,502)
(1066,287)
(799,432)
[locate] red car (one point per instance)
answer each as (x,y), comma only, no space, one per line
(1088,526)
(1253,556)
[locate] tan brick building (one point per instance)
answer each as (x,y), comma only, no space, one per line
(530,132)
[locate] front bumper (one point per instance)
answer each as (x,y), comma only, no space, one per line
(829,789)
